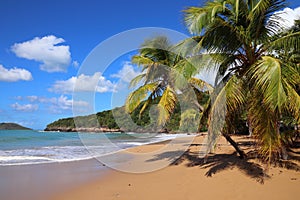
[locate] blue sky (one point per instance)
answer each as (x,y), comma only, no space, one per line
(43,45)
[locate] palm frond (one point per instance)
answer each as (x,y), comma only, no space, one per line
(267,77)
(136,97)
(166,105)
(136,80)
(200,84)
(291,74)
(260,24)
(188,47)
(222,36)
(293,103)
(189,120)
(141,60)
(288,43)
(195,19)
(265,128)
(227,98)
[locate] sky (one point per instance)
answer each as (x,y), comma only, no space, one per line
(46,48)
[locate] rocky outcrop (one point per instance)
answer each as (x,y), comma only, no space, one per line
(82,129)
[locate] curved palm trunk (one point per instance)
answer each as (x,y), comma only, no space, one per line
(241,153)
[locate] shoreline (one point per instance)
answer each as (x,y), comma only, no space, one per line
(162,138)
(223,176)
(49,179)
(40,181)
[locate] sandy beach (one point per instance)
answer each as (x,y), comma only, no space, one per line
(222,176)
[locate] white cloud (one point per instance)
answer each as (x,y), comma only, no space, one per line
(25,107)
(54,57)
(84,83)
(288,16)
(66,104)
(31,98)
(14,74)
(54,104)
(75,63)
(63,104)
(127,73)
(38,99)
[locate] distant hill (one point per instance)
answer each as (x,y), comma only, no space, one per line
(105,121)
(12,126)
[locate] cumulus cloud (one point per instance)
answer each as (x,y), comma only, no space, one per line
(25,107)
(54,104)
(54,57)
(63,104)
(84,83)
(127,73)
(38,99)
(288,17)
(14,74)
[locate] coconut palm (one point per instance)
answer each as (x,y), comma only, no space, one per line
(155,59)
(245,42)
(161,79)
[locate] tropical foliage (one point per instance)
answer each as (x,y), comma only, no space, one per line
(256,65)
(163,78)
(115,119)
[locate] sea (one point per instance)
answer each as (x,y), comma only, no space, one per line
(27,147)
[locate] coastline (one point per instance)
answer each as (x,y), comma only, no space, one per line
(223,176)
(41,181)
(48,179)
(92,130)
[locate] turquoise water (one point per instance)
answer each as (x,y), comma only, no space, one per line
(33,147)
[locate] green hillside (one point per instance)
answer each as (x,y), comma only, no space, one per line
(117,120)
(12,126)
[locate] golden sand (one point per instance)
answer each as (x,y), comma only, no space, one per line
(222,176)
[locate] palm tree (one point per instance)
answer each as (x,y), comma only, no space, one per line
(244,40)
(162,78)
(155,59)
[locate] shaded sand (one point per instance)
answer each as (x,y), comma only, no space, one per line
(222,176)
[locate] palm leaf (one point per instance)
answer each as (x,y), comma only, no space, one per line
(265,128)
(267,77)
(288,42)
(136,97)
(141,60)
(136,80)
(200,84)
(166,105)
(226,99)
(293,103)
(195,19)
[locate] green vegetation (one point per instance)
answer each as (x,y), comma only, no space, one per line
(258,73)
(12,126)
(164,73)
(117,119)
(255,67)
(257,83)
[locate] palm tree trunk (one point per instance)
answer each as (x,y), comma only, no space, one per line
(235,145)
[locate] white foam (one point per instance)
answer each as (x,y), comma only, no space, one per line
(50,154)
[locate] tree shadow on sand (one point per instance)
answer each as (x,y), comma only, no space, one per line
(216,163)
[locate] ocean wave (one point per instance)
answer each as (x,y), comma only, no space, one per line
(50,154)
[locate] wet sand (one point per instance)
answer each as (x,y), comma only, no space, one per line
(42,181)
